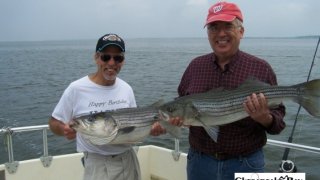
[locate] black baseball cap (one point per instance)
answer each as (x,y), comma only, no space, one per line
(110,39)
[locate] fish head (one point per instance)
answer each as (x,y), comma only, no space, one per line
(182,109)
(97,125)
(171,109)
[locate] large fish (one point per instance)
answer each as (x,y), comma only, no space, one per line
(218,107)
(122,126)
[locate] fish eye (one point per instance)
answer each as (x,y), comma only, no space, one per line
(156,117)
(90,119)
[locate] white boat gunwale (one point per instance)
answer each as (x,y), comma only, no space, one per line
(149,165)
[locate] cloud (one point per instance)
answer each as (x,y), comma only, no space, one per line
(82,19)
(284,18)
(197,2)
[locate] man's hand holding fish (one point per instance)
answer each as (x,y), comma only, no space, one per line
(257,108)
(157,129)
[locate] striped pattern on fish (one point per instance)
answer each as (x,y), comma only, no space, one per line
(133,124)
(231,106)
(121,126)
(128,125)
(218,107)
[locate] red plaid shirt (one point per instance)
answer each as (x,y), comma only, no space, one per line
(241,137)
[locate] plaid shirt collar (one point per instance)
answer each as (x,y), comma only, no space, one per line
(231,66)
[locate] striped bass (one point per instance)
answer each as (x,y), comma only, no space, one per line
(128,125)
(218,107)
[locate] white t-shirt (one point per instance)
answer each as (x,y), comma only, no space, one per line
(84,96)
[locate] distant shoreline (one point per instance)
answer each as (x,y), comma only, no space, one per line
(250,37)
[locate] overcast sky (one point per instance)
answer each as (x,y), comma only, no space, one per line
(25,20)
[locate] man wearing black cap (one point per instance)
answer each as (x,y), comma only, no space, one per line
(97,92)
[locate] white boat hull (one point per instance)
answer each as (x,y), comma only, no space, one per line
(156,163)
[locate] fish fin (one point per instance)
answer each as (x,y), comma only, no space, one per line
(253,82)
(216,90)
(132,142)
(248,83)
(175,131)
(310,98)
(126,130)
(158,103)
(213,132)
(98,140)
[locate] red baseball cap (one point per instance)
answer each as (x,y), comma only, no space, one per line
(223,11)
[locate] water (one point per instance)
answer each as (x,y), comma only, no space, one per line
(33,76)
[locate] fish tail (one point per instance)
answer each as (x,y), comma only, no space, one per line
(213,132)
(310,98)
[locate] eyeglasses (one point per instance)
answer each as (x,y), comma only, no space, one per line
(226,28)
(107,57)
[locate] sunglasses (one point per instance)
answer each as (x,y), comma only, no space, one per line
(116,58)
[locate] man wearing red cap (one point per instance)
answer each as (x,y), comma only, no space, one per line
(239,144)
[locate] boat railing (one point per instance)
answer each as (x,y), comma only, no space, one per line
(12,165)
(8,132)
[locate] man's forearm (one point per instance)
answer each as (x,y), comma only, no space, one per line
(56,126)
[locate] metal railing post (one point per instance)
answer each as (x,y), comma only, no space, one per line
(9,146)
(45,159)
(12,165)
(176,152)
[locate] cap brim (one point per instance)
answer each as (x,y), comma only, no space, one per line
(220,17)
(109,44)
